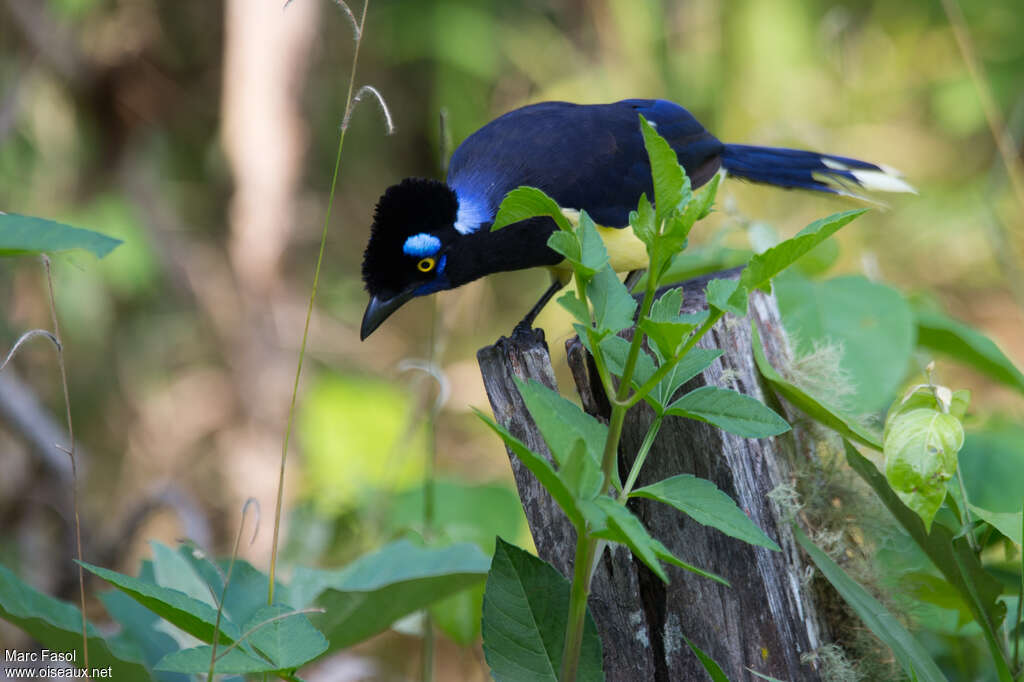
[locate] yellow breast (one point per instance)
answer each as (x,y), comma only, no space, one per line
(625,251)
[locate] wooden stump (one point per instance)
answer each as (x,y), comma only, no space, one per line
(769,618)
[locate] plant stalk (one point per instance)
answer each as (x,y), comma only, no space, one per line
(578,593)
(71,454)
(641,456)
(309,308)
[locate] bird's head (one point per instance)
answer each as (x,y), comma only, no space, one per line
(413,226)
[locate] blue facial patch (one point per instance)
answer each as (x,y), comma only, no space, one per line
(421,245)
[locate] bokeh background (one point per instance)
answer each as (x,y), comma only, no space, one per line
(204,135)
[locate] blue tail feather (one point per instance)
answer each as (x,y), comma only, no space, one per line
(794,168)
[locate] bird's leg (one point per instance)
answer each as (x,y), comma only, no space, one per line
(632,278)
(527,322)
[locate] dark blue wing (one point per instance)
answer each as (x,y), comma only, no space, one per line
(589,157)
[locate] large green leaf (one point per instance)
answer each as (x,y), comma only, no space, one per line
(872,323)
(21,235)
(528,202)
(288,639)
(920,449)
(196,661)
(191,615)
(944,334)
(729,410)
(709,664)
(816,408)
(284,640)
(139,630)
(992,465)
(57,625)
(541,468)
(763,267)
(671,186)
(463,512)
(620,525)
(912,656)
(693,363)
(613,304)
(954,558)
(561,422)
(526,604)
(370,594)
(701,500)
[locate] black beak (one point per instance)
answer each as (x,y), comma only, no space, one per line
(378,310)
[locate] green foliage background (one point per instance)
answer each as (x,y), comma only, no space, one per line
(180,370)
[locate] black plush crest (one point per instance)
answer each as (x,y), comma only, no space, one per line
(412,206)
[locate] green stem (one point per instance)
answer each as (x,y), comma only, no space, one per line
(309,308)
(580,590)
(638,463)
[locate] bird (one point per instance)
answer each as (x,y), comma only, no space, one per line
(430,235)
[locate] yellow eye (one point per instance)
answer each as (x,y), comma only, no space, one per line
(425,265)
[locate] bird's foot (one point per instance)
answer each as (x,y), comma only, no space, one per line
(524,331)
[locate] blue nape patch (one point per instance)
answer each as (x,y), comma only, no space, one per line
(421,245)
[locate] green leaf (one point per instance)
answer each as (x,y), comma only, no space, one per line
(873,323)
(568,244)
(671,186)
(463,512)
(764,266)
(666,308)
(57,625)
(613,305)
(624,528)
(912,656)
(920,449)
(377,589)
(701,500)
(954,558)
(1007,523)
(729,410)
(931,589)
(191,615)
(944,334)
(721,294)
(541,468)
(582,473)
(458,616)
(20,235)
(175,572)
(693,363)
(710,665)
(561,422)
(196,661)
(138,631)
(668,557)
(643,221)
(289,641)
(526,604)
(583,247)
(528,202)
(577,308)
(817,409)
(668,337)
(992,465)
(594,255)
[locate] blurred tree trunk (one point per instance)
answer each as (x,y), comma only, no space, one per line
(769,618)
(266,55)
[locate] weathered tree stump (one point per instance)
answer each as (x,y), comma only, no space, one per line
(769,617)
